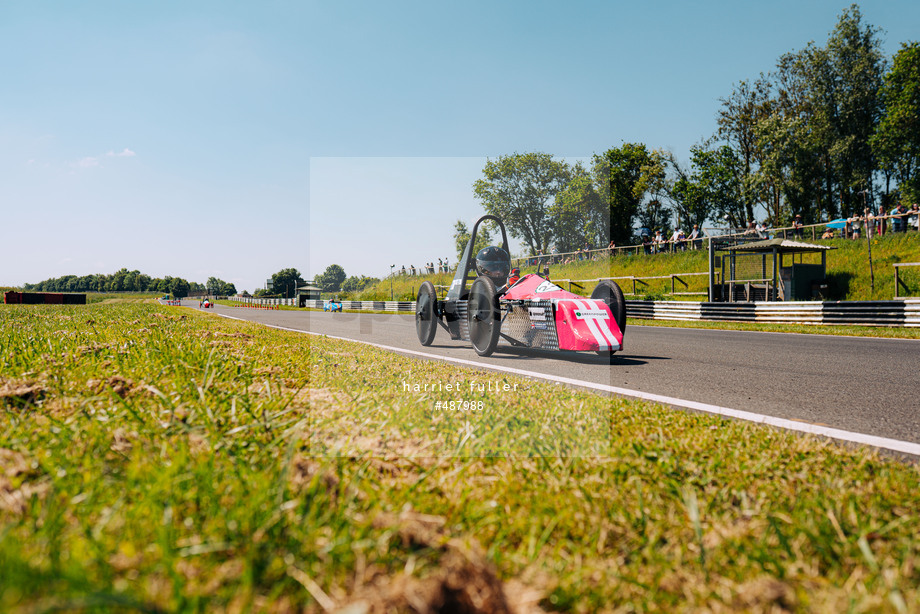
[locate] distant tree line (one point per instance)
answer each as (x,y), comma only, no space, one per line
(830,130)
(285,282)
(130,281)
(334,279)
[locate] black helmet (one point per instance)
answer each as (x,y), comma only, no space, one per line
(493,262)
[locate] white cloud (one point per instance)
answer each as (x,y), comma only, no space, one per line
(93,161)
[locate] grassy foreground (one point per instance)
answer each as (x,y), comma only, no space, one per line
(164,460)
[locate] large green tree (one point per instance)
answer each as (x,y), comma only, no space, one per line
(286,281)
(719,174)
(654,215)
(219,287)
(843,80)
(178,287)
(896,141)
(329,280)
(802,133)
(738,119)
(629,173)
(521,189)
(580,216)
(688,192)
(462,237)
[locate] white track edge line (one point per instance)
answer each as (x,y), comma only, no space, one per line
(791,425)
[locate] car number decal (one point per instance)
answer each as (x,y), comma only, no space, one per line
(546,286)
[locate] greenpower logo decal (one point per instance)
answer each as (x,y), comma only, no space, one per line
(590,314)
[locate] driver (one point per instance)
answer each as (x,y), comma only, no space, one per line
(513,278)
(494,263)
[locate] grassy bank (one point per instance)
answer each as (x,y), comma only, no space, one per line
(162,459)
(848,271)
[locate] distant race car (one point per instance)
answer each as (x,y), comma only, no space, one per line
(527,312)
(332,306)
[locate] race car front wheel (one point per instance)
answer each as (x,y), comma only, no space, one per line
(609,292)
(484,316)
(425,323)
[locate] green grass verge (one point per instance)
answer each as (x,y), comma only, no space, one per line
(162,459)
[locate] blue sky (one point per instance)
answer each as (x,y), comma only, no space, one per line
(234,139)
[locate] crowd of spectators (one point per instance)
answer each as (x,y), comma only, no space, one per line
(877,223)
(429,269)
(677,242)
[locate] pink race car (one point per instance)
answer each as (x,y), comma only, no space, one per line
(528,312)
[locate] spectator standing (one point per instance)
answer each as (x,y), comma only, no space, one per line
(675,239)
(913,220)
(657,242)
(611,247)
(797,230)
(696,241)
(899,222)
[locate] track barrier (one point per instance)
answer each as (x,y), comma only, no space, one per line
(896,313)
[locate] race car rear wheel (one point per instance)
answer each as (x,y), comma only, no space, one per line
(484,316)
(425,323)
(609,292)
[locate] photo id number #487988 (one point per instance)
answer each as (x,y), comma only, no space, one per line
(458,405)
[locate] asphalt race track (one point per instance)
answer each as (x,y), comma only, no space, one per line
(857,384)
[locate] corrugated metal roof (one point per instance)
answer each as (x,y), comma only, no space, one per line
(781,246)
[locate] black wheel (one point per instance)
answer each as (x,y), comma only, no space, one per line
(484,316)
(425,323)
(609,292)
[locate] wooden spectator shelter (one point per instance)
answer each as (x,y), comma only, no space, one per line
(307,293)
(767,270)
